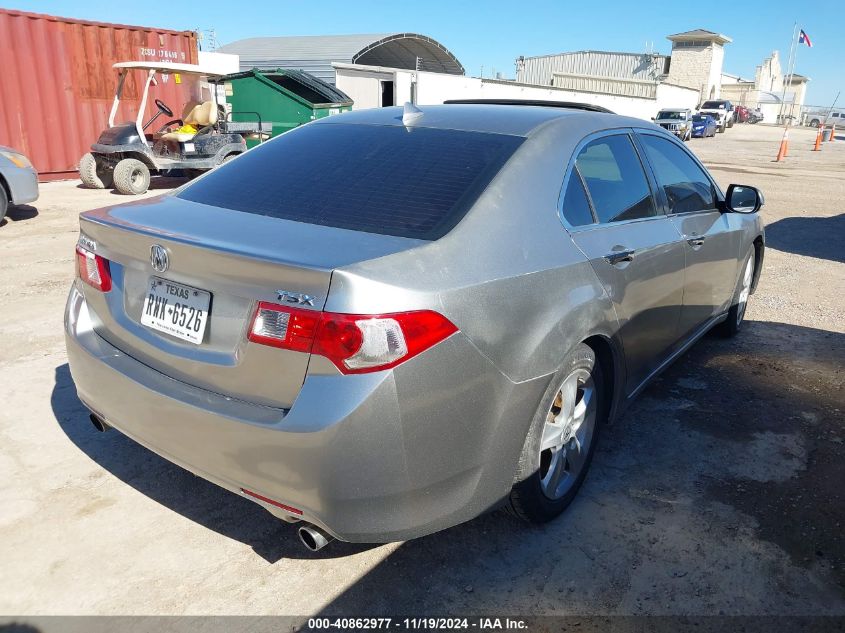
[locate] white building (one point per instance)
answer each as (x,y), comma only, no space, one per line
(365,85)
(771,91)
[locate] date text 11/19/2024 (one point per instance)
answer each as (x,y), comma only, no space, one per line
(417,623)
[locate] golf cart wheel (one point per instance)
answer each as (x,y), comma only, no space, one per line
(131,177)
(94,174)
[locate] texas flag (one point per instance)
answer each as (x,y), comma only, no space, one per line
(803,38)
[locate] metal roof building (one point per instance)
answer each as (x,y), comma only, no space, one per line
(541,69)
(315,53)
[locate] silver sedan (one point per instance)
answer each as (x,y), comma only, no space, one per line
(18,180)
(387,322)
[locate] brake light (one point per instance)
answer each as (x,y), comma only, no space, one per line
(93,269)
(355,343)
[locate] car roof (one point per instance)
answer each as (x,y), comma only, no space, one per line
(514,120)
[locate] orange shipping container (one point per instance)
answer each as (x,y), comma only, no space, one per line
(57,83)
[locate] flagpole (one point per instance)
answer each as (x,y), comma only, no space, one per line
(788,85)
(792,47)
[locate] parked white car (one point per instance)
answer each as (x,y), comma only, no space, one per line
(720,109)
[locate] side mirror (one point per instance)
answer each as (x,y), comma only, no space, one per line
(652,118)
(743,199)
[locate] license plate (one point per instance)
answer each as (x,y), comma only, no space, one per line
(174,309)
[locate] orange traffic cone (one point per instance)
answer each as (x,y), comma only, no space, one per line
(784,145)
(833,132)
(819,135)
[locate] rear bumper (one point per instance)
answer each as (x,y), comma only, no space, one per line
(370,458)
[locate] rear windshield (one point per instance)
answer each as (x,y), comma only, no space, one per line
(408,182)
(714,105)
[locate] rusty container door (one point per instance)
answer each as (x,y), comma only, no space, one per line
(57,83)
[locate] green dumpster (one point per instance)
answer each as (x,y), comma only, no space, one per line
(283,98)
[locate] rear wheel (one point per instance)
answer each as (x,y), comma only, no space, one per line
(561,441)
(131,177)
(94,173)
(736,315)
(814,123)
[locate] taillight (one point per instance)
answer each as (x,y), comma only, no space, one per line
(355,343)
(93,269)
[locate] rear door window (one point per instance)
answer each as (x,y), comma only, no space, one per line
(416,183)
(685,184)
(615,179)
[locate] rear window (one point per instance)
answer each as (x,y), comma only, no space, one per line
(408,182)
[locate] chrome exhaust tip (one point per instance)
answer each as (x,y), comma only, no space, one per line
(99,423)
(313,537)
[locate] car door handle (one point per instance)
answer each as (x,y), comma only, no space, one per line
(619,257)
(695,241)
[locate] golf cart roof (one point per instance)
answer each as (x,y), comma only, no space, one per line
(165,67)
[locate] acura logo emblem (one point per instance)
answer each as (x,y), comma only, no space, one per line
(158,258)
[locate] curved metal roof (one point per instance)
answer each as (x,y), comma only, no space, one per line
(315,53)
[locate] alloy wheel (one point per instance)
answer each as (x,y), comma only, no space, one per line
(567,434)
(745,290)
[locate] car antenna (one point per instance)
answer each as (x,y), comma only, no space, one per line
(410,114)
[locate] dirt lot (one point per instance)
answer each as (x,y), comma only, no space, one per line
(722,490)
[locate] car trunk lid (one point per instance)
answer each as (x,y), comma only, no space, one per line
(239,259)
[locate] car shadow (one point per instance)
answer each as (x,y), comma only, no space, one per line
(823,238)
(650,523)
(19,213)
(659,471)
(179,490)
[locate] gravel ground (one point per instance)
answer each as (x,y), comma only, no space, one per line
(721,491)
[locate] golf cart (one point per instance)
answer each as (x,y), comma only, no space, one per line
(126,154)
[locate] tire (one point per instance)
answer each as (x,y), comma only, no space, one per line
(736,315)
(722,128)
(228,158)
(93,173)
(537,495)
(131,177)
(4,201)
(814,123)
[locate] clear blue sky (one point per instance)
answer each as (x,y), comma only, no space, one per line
(492,34)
